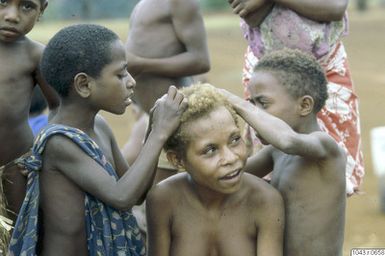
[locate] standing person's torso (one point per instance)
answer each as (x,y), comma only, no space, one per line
(19,63)
(152,35)
(314,197)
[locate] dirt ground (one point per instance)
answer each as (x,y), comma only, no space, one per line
(365,45)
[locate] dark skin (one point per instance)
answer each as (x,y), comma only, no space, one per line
(68,172)
(307,165)
(18,75)
(214,208)
(166,45)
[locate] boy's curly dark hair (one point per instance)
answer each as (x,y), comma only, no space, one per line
(75,49)
(299,72)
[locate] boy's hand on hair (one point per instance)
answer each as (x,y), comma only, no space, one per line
(166,113)
(236,101)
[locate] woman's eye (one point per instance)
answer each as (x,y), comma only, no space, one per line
(209,151)
(235,140)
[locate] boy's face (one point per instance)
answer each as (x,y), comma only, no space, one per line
(18,18)
(269,94)
(113,89)
(216,152)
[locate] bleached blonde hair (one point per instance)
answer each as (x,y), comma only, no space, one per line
(203,98)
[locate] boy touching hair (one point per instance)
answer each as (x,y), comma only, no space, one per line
(316,28)
(288,88)
(19,60)
(80,188)
(213,208)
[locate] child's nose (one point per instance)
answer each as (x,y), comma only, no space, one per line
(131,83)
(12,14)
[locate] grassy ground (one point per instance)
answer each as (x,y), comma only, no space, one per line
(365,225)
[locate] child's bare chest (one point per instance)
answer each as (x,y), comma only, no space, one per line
(290,172)
(16,64)
(151,12)
(16,85)
(155,26)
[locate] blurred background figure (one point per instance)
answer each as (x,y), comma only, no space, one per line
(38,117)
(378,155)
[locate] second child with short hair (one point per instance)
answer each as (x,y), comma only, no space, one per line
(213,208)
(288,88)
(316,28)
(80,188)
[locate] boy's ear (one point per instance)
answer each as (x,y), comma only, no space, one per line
(42,9)
(174,159)
(306,105)
(82,85)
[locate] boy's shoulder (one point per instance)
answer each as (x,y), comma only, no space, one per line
(33,48)
(36,49)
(27,49)
(258,191)
(102,125)
(333,150)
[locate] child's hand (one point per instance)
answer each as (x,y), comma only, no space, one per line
(244,7)
(165,115)
(236,101)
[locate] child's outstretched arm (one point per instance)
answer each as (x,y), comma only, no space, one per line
(124,193)
(316,145)
(323,11)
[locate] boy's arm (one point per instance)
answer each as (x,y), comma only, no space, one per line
(49,93)
(132,147)
(158,217)
(271,219)
(317,145)
(68,158)
(261,163)
(323,11)
(190,31)
(121,166)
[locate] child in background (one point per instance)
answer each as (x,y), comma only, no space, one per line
(213,208)
(316,28)
(80,189)
(19,73)
(288,88)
